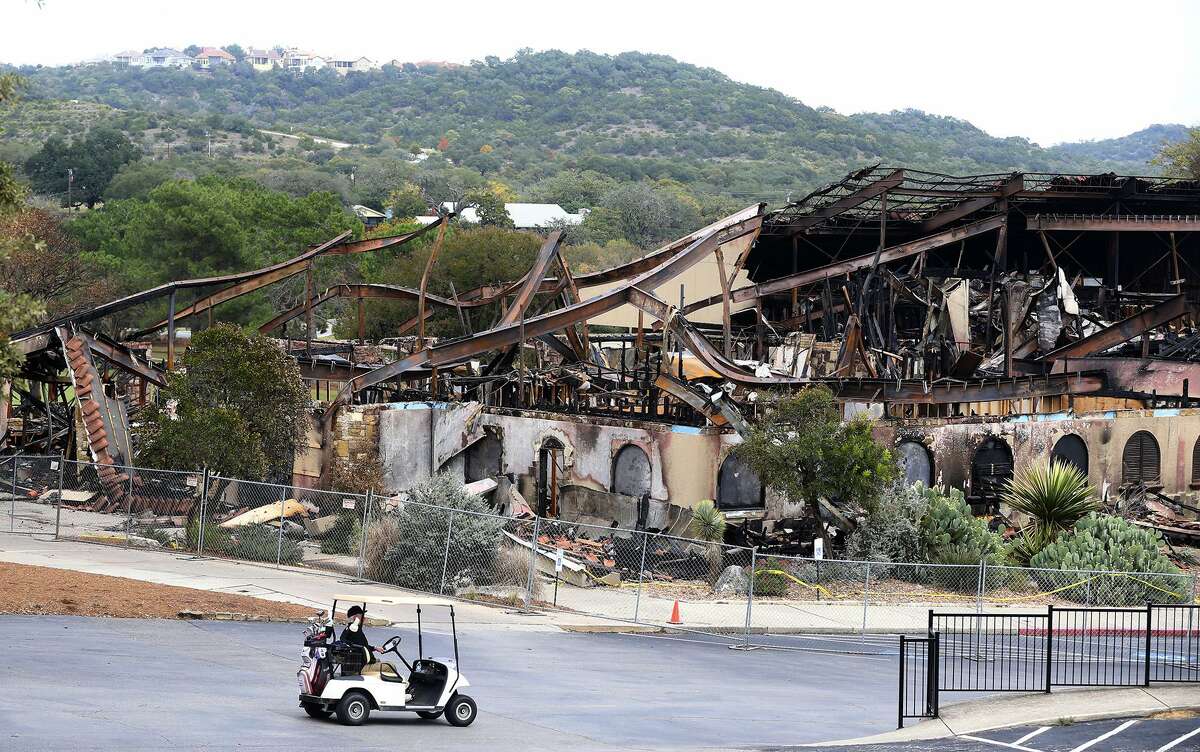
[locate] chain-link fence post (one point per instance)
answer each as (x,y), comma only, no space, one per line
(637,603)
(62,463)
(981,585)
(866,597)
(750,597)
(446,555)
(362,541)
(283,494)
(129,508)
(12,502)
(533,552)
(201,523)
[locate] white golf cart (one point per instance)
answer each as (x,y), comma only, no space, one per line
(337,677)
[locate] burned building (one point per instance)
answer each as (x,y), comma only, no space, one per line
(986,321)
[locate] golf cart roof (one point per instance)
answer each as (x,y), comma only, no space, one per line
(397,599)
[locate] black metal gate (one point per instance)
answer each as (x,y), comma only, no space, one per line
(918,677)
(1067,647)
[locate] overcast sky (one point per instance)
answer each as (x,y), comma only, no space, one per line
(1050,70)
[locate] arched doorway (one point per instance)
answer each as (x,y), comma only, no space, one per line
(738,486)
(1071,450)
(483,458)
(915,462)
(631,471)
(1140,462)
(991,470)
(551,471)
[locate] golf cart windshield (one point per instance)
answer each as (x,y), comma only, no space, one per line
(432,617)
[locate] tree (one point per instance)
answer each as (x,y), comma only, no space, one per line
(213,225)
(803,448)
(192,50)
(1182,159)
(44,263)
(489,209)
(236,50)
(574,190)
(642,214)
(407,202)
(470,257)
(93,162)
(16,309)
(237,406)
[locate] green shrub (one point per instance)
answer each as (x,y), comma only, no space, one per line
(951,534)
(891,529)
(414,555)
(1055,495)
(156,534)
(261,543)
(768,580)
(249,542)
(345,535)
(216,538)
(1101,542)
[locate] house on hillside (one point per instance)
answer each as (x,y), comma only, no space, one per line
(368,216)
(301,61)
(262,60)
(343,64)
(130,57)
(210,57)
(524,216)
(165,57)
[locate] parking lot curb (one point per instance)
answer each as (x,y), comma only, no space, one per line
(1039,709)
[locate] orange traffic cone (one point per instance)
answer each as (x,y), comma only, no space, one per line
(675,615)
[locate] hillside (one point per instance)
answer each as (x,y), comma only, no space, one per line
(525,119)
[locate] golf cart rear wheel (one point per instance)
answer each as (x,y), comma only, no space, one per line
(354,709)
(428,715)
(317,711)
(461,711)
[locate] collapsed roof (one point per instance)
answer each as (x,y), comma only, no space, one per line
(926,294)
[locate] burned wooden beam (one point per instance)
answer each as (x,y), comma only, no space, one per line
(1116,222)
(1124,330)
(968,207)
(846,203)
(894,253)
(976,390)
(125,360)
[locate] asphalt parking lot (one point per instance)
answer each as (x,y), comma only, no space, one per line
(81,684)
(1164,735)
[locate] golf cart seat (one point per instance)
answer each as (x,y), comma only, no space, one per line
(386,671)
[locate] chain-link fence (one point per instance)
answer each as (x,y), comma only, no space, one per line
(605,572)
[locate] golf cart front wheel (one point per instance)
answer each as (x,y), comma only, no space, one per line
(354,709)
(316,710)
(461,711)
(428,715)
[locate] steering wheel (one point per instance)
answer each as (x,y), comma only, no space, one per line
(391,645)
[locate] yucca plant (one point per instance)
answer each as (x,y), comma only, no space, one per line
(1055,495)
(708,525)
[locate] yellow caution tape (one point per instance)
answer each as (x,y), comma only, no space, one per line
(1012,599)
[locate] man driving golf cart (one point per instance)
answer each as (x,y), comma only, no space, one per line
(353,633)
(344,677)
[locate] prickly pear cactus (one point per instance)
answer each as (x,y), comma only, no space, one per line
(1110,562)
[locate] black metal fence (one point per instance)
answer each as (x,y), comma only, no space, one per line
(991,652)
(918,677)
(1033,652)
(1174,645)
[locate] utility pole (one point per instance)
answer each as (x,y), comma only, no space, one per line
(70,185)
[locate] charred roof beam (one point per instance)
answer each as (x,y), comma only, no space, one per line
(846,203)
(1124,330)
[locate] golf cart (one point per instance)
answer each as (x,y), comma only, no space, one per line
(337,677)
